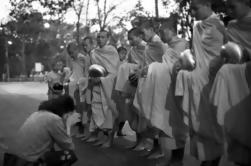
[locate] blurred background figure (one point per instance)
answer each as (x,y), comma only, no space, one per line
(55,77)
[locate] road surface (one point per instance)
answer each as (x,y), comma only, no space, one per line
(19,100)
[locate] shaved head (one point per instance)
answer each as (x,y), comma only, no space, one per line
(170,23)
(238,9)
(201,9)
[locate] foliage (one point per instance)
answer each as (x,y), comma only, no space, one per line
(103,12)
(185,19)
(56,8)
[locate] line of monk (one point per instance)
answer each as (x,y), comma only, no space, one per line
(171,93)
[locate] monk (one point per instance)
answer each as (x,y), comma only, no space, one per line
(84,92)
(79,63)
(161,110)
(135,60)
(104,112)
(231,89)
(157,86)
(154,52)
(193,87)
(76,66)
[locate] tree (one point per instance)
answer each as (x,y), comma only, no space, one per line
(185,19)
(78,6)
(103,13)
(56,8)
(87,13)
(26,25)
(156,8)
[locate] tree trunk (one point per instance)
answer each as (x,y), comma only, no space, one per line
(99,15)
(23,59)
(78,32)
(157,8)
(87,12)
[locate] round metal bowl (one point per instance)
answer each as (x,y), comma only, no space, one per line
(232,53)
(187,60)
(97,71)
(57,87)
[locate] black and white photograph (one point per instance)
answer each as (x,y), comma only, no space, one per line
(125,82)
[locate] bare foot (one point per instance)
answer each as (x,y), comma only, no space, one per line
(155,154)
(100,142)
(92,139)
(107,144)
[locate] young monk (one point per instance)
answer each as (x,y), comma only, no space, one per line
(104,111)
(231,89)
(84,93)
(79,68)
(154,52)
(193,87)
(135,60)
(122,51)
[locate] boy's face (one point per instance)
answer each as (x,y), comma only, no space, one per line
(87,46)
(198,10)
(148,34)
(72,51)
(134,40)
(59,66)
(102,39)
(236,9)
(122,55)
(165,34)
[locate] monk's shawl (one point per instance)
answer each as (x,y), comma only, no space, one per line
(109,59)
(136,59)
(231,94)
(83,81)
(136,54)
(77,71)
(154,52)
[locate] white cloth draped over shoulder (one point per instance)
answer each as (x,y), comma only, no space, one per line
(231,95)
(104,110)
(83,81)
(136,59)
(153,91)
(154,52)
(78,70)
(194,88)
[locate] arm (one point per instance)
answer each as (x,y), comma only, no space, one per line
(57,130)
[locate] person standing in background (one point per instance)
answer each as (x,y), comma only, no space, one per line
(55,77)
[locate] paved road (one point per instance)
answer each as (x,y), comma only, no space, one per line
(19,100)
